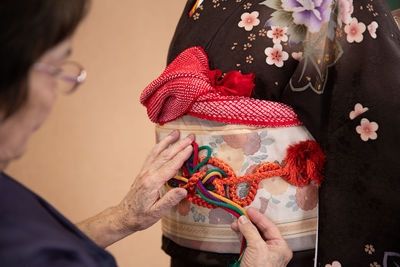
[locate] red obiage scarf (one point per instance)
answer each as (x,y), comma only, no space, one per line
(188,86)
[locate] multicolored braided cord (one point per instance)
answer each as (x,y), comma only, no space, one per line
(302,164)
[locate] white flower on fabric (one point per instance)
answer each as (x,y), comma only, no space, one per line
(347,8)
(278,34)
(334,264)
(275,55)
(372,29)
(249,20)
(354,31)
(358,110)
(367,130)
(297,55)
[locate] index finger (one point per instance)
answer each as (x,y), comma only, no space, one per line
(168,170)
(165,142)
(267,228)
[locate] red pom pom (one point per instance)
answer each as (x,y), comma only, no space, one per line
(304,162)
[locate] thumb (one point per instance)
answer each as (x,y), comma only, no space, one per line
(170,199)
(249,231)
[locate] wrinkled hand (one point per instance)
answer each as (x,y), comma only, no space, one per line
(265,245)
(142,206)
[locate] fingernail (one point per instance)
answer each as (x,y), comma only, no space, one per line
(190,136)
(173,133)
(243,219)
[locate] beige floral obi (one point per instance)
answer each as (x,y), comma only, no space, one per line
(293,209)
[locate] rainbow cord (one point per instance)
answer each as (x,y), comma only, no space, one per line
(205,189)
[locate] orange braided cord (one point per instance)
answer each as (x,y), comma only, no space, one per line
(303,163)
(264,171)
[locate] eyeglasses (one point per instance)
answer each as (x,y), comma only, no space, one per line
(69,76)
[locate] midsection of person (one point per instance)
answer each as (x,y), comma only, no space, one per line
(244,148)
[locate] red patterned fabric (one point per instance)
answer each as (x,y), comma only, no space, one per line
(187,86)
(233,83)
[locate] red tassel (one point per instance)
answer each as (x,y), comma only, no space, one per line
(304,162)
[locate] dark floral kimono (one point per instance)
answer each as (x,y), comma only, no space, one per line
(337,64)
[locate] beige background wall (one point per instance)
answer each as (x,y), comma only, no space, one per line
(87,155)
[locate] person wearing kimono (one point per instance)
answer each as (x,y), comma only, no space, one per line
(336,64)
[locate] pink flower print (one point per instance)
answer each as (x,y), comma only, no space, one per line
(347,9)
(275,55)
(358,110)
(278,34)
(252,169)
(236,140)
(307,196)
(253,144)
(220,216)
(367,129)
(334,264)
(372,29)
(297,55)
(183,207)
(249,20)
(263,205)
(354,31)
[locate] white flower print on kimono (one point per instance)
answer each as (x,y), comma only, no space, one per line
(275,55)
(278,34)
(372,29)
(354,31)
(334,264)
(358,110)
(249,20)
(367,130)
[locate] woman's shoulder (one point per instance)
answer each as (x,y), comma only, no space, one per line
(23,214)
(18,201)
(32,231)
(30,215)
